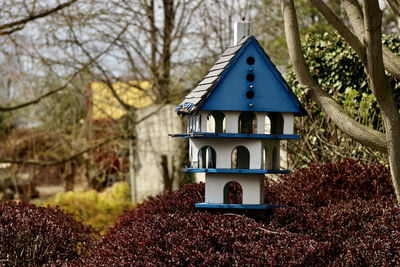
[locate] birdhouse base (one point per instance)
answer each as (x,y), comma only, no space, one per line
(251,209)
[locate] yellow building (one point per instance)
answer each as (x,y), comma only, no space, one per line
(153,147)
(104,105)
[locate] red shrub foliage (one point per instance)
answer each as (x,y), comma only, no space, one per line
(324,184)
(34,236)
(339,214)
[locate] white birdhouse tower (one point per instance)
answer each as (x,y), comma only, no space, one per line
(237,116)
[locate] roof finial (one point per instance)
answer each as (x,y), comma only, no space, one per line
(242,29)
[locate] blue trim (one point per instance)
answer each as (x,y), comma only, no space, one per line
(234,135)
(237,206)
(244,171)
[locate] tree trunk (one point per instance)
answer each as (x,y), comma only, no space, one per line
(381,88)
(362,134)
(374,68)
(168,175)
(69,176)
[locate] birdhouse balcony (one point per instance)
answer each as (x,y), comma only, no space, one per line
(245,122)
(237,142)
(234,155)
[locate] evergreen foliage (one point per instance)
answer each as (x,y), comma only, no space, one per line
(338,70)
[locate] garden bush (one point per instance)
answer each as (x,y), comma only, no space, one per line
(339,214)
(34,236)
(100,210)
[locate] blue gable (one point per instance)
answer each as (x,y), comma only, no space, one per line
(251,82)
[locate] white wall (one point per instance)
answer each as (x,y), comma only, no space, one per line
(252,186)
(224,147)
(152,142)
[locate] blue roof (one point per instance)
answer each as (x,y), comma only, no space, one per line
(243,79)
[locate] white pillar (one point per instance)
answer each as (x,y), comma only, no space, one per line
(288,123)
(232,122)
(260,122)
(195,150)
(203,122)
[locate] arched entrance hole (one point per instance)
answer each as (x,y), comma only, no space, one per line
(275,121)
(207,157)
(233,193)
(216,122)
(247,122)
(240,158)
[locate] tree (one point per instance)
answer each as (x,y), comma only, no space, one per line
(269,31)
(341,74)
(366,40)
(60,47)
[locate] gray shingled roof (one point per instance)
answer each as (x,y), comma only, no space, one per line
(196,97)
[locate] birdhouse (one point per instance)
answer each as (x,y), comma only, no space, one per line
(237,116)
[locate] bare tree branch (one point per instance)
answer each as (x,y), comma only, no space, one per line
(356,16)
(353,41)
(348,125)
(105,80)
(17,25)
(80,153)
(40,98)
(394,6)
(62,87)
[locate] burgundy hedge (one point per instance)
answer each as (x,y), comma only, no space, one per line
(338,214)
(34,236)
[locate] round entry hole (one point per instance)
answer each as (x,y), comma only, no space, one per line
(250,60)
(250,94)
(250,77)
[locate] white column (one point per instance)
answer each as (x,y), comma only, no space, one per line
(255,149)
(203,124)
(195,150)
(269,147)
(224,154)
(261,122)
(232,122)
(288,123)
